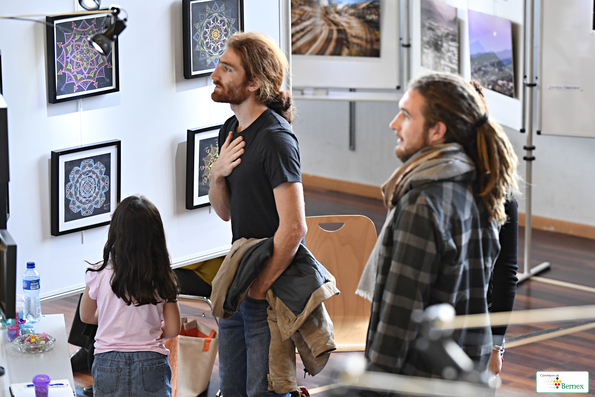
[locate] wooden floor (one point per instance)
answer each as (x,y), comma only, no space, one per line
(572,261)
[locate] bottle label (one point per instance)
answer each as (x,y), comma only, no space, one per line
(31,284)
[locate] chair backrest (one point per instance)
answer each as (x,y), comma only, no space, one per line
(344,252)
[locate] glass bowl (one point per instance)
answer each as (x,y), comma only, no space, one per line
(34,343)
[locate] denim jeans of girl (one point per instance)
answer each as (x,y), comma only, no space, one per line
(244,341)
(131,374)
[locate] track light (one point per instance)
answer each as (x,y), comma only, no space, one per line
(90,5)
(102,42)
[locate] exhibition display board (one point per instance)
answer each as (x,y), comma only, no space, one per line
(507,109)
(319,58)
(566,84)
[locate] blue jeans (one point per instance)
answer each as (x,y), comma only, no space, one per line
(244,341)
(131,374)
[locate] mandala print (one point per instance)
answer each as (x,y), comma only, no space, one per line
(215,25)
(212,154)
(79,61)
(87,187)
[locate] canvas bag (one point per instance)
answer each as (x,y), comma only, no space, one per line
(191,357)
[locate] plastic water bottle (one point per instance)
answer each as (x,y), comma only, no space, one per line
(32,307)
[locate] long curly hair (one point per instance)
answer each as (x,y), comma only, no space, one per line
(456,103)
(262,60)
(137,250)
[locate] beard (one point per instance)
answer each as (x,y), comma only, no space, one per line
(234,94)
(405,153)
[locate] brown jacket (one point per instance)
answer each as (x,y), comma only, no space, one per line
(310,331)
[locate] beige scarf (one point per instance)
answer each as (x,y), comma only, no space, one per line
(394,188)
(397,185)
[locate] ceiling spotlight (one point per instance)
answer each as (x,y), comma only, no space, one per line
(90,5)
(102,42)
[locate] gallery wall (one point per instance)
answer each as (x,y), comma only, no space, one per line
(150,115)
(563,181)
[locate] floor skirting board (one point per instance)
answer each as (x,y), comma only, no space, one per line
(360,189)
(336,185)
(559,226)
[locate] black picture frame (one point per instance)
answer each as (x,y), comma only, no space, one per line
(201,152)
(1,88)
(4,165)
(4,170)
(85,186)
(75,70)
(207,24)
(8,274)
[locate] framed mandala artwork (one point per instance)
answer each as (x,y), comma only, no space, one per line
(75,69)
(207,25)
(202,150)
(85,186)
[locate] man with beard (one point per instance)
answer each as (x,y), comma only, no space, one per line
(440,239)
(256,182)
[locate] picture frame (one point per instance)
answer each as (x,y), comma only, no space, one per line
(207,24)
(1,88)
(75,70)
(347,28)
(85,186)
(4,165)
(491,52)
(201,152)
(439,36)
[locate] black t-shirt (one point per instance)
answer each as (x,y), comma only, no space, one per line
(271,157)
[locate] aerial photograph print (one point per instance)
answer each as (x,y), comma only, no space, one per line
(490,48)
(348,28)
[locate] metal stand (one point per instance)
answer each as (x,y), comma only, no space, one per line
(352,123)
(405,45)
(529,84)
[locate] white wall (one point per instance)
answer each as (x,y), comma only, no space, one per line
(150,115)
(563,176)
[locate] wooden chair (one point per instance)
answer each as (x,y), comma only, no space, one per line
(344,252)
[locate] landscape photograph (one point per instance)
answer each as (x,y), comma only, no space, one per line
(490,48)
(439,37)
(336,27)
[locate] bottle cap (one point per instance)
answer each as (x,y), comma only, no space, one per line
(30,265)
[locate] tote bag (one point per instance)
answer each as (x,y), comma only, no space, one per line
(191,357)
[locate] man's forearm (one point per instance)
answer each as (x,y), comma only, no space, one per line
(220,198)
(285,245)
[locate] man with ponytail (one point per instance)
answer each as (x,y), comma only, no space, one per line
(440,240)
(255,183)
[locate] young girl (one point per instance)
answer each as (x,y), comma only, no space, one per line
(127,296)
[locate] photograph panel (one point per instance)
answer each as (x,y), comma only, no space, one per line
(490,49)
(439,37)
(336,27)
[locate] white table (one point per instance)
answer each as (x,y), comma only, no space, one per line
(22,367)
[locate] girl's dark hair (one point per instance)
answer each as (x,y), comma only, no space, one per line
(262,60)
(138,253)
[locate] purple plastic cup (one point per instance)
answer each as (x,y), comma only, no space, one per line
(42,385)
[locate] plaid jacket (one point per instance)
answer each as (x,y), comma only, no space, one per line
(439,247)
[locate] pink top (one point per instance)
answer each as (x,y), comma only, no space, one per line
(120,327)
